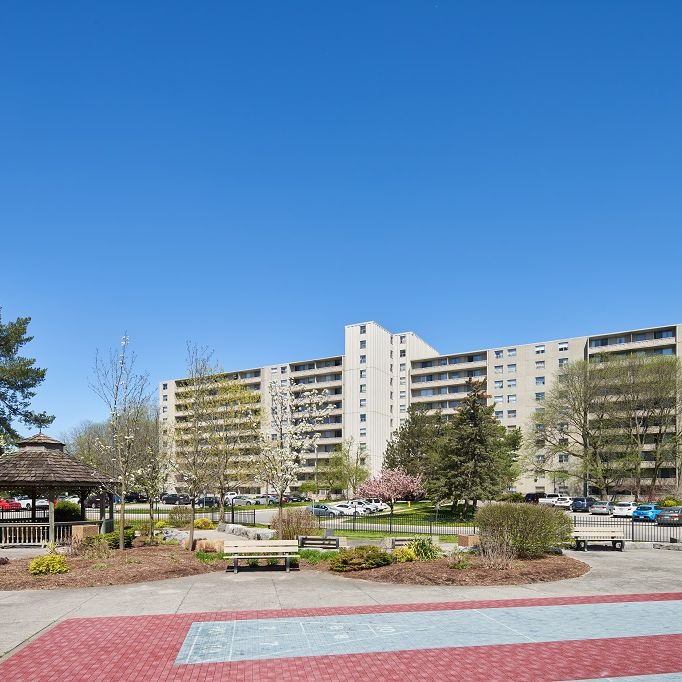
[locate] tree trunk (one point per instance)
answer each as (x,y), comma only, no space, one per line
(122,519)
(151,520)
(221,502)
(190,540)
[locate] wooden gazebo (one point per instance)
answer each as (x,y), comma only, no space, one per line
(41,466)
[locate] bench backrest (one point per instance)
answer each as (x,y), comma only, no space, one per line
(400,542)
(596,533)
(315,541)
(254,546)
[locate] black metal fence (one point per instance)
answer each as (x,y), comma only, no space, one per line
(398,524)
(634,531)
(22,515)
(161,512)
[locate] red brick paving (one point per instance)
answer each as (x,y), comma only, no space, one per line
(145,647)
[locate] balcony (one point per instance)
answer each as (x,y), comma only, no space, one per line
(633,345)
(436,368)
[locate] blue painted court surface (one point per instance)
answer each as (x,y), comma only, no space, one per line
(223,641)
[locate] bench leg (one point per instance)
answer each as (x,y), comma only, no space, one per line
(235,564)
(286,563)
(618,545)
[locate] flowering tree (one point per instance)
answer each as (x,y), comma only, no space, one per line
(291,434)
(391,484)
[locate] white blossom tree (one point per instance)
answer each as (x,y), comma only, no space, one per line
(292,419)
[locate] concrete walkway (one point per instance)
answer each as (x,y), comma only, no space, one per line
(24,614)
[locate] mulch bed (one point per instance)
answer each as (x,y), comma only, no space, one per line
(139,564)
(441,572)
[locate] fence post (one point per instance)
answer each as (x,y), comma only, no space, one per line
(354,517)
(390,521)
(430,525)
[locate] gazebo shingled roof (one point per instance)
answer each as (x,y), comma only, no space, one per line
(42,462)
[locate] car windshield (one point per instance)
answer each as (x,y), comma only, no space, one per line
(623,504)
(645,507)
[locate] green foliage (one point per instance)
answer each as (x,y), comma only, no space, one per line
(18,379)
(511,497)
(67,511)
(360,558)
(112,538)
(308,487)
(273,561)
(209,557)
(97,549)
(404,554)
(669,502)
(292,522)
(425,550)
(529,530)
(161,524)
(252,562)
(204,524)
(315,556)
(49,564)
(462,561)
(179,517)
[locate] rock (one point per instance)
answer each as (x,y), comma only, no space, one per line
(4,560)
(209,546)
(249,533)
(468,540)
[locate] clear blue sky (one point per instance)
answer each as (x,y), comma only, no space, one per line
(253,176)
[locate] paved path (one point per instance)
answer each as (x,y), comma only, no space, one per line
(170,607)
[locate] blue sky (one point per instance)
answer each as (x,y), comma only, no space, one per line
(253,176)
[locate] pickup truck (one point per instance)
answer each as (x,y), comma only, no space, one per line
(549,499)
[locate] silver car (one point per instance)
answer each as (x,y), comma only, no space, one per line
(605,508)
(323,510)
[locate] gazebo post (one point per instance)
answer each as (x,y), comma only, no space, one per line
(82,496)
(50,513)
(34,497)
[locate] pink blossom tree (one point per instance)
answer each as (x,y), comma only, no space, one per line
(391,484)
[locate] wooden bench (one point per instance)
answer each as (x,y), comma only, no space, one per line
(584,535)
(317,542)
(260,549)
(401,542)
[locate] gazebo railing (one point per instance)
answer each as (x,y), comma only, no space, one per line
(24,534)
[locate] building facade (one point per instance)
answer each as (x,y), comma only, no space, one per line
(372,385)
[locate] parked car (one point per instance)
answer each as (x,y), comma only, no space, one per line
(378,502)
(74,499)
(268,499)
(92,501)
(602,507)
(624,508)
(563,502)
(549,499)
(298,498)
(242,500)
(646,512)
(136,498)
(26,502)
(348,509)
(9,505)
(229,495)
(582,504)
(670,516)
(363,505)
(318,509)
(176,498)
(208,501)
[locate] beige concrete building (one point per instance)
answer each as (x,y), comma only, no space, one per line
(381,374)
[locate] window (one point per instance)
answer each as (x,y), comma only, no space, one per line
(563,346)
(403,394)
(403,408)
(390,395)
(666,334)
(539,396)
(511,368)
(563,459)
(640,337)
(390,354)
(511,414)
(363,328)
(511,352)
(499,369)
(539,381)
(164,409)
(402,381)
(165,398)
(363,359)
(363,344)
(511,383)
(402,338)
(499,383)
(283,370)
(402,366)
(363,417)
(363,388)
(563,362)
(539,364)
(498,399)
(402,353)
(499,414)
(363,432)
(540,350)
(165,387)
(511,398)
(363,402)
(499,354)
(363,373)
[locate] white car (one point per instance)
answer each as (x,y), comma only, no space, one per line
(549,499)
(69,498)
(624,508)
(363,506)
(25,502)
(563,502)
(346,509)
(379,503)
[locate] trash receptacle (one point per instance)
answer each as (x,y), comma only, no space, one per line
(107,526)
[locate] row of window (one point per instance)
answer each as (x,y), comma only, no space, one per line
(562,347)
(478,357)
(628,338)
(511,398)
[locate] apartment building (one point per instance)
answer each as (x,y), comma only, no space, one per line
(380,374)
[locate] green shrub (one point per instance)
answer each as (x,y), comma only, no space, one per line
(179,517)
(67,511)
(404,554)
(112,538)
(425,550)
(49,564)
(314,556)
(669,502)
(252,562)
(511,497)
(273,561)
(209,557)
(160,524)
(204,524)
(291,522)
(528,530)
(462,561)
(360,558)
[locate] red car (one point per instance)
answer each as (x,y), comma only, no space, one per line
(9,505)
